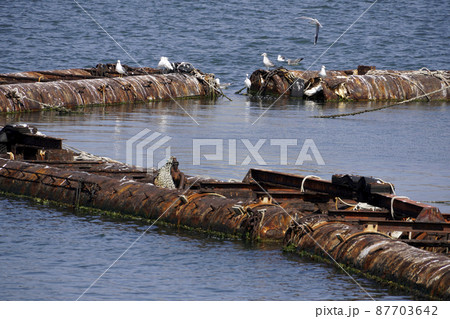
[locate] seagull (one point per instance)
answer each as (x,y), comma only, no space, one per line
(313,91)
(281,58)
(266,61)
(318,26)
(247,82)
(294,61)
(322,72)
(222,86)
(165,64)
(120,69)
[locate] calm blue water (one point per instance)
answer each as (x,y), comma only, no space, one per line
(48,253)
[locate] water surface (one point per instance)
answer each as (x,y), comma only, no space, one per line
(50,253)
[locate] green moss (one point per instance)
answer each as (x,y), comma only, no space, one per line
(289,249)
(119,216)
(344,269)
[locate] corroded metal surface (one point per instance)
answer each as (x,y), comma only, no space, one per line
(374,253)
(388,86)
(207,211)
(80,87)
(369,84)
(303,211)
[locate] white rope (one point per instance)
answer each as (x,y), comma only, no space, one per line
(351,205)
(392,185)
(302,189)
(392,204)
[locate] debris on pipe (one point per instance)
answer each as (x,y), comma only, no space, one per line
(365,83)
(102,85)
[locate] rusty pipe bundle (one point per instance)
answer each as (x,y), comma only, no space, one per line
(374,253)
(387,85)
(351,85)
(40,95)
(208,211)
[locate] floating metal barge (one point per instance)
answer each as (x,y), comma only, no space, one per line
(363,84)
(30,91)
(358,221)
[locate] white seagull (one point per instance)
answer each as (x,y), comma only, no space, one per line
(165,64)
(281,58)
(221,85)
(322,72)
(120,69)
(266,61)
(247,82)
(318,26)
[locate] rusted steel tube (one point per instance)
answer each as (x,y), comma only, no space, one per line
(374,253)
(45,76)
(211,212)
(387,86)
(351,85)
(280,81)
(39,95)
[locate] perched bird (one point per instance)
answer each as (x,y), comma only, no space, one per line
(318,26)
(313,91)
(294,61)
(281,58)
(266,61)
(221,85)
(322,72)
(247,82)
(120,69)
(164,177)
(165,64)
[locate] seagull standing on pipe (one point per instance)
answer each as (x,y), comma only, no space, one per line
(318,26)
(165,64)
(322,72)
(247,82)
(266,61)
(120,69)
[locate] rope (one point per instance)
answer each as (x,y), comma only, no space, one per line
(378,108)
(340,199)
(392,204)
(390,184)
(302,189)
(88,156)
(19,96)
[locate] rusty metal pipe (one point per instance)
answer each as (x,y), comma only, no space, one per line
(374,85)
(374,253)
(144,88)
(208,211)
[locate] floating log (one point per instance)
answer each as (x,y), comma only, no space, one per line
(70,88)
(365,83)
(313,215)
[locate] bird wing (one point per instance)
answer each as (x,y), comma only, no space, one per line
(317,33)
(308,18)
